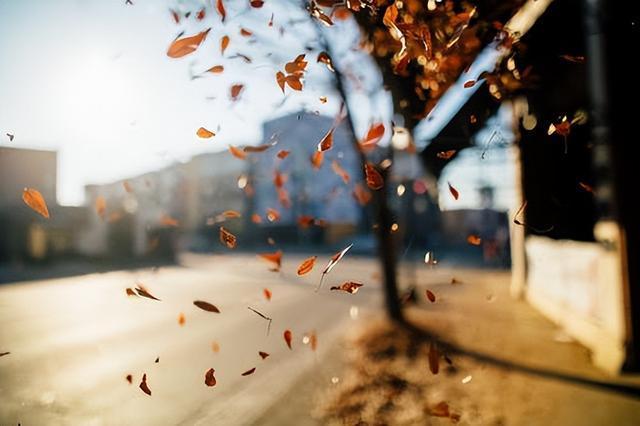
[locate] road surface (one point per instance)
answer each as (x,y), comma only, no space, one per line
(74,340)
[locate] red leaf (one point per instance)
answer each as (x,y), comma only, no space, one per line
(373,136)
(434,358)
(227,238)
(469,83)
(175,15)
(267,293)
(166,220)
(144,386)
(474,240)
(275,258)
(323,57)
(183,46)
(200,15)
(206,306)
(231,214)
(34,199)
(273,215)
(445,155)
(327,141)
(245,33)
(305,221)
(351,287)
(307,265)
(236,89)
(287,337)
(282,154)
(221,9)
(316,159)
(257,3)
(373,177)
(237,152)
(209,378)
(263,355)
(431,296)
(281,79)
(248,372)
(453,191)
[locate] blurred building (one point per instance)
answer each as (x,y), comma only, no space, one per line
(24,235)
(316,192)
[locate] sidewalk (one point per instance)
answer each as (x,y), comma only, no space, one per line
(385,379)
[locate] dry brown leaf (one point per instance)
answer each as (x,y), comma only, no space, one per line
(34,199)
(274,258)
(144,386)
(209,378)
(431,296)
(445,155)
(227,238)
(249,372)
(216,69)
(288,336)
(332,262)
(206,306)
(237,152)
(327,141)
(273,215)
(434,358)
(263,355)
(453,191)
(373,177)
(350,287)
(267,293)
(307,265)
(221,10)
(282,154)
(235,91)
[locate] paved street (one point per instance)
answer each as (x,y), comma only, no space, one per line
(74,340)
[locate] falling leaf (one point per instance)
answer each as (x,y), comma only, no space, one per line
(274,258)
(129,378)
(181,319)
(287,337)
(255,218)
(273,215)
(313,340)
(249,372)
(216,69)
(257,148)
(263,355)
(166,220)
(572,58)
(206,306)
(373,177)
(441,409)
(281,79)
(361,194)
(4,353)
(144,386)
(453,191)
(204,133)
(317,13)
(323,57)
(186,45)
(237,152)
(373,136)
(142,291)
(34,199)
(332,262)
(10,136)
(327,141)
(215,347)
(263,316)
(175,16)
(469,83)
(316,159)
(100,206)
(267,293)
(236,89)
(431,296)
(157,360)
(445,155)
(307,265)
(130,292)
(305,221)
(474,240)
(224,43)
(337,169)
(270,24)
(245,33)
(209,378)
(201,14)
(323,99)
(257,3)
(351,287)
(282,154)
(434,358)
(586,187)
(227,238)
(221,10)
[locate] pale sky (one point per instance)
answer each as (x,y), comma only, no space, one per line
(91,79)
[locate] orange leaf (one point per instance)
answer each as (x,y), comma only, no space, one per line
(337,169)
(294,82)
(327,141)
(204,133)
(186,45)
(144,386)
(263,355)
(34,199)
(249,372)
(224,43)
(257,148)
(305,221)
(209,378)
(373,136)
(235,91)
(275,258)
(245,32)
(227,238)
(323,57)
(453,191)
(281,79)
(216,69)
(255,218)
(257,3)
(316,159)
(351,287)
(307,265)
(237,152)
(201,14)
(130,292)
(445,155)
(215,347)
(441,409)
(287,337)
(221,9)
(332,262)
(273,215)
(474,240)
(166,220)
(434,358)
(101,206)
(313,340)
(373,177)
(206,306)
(181,319)
(267,293)
(431,296)
(231,214)
(282,154)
